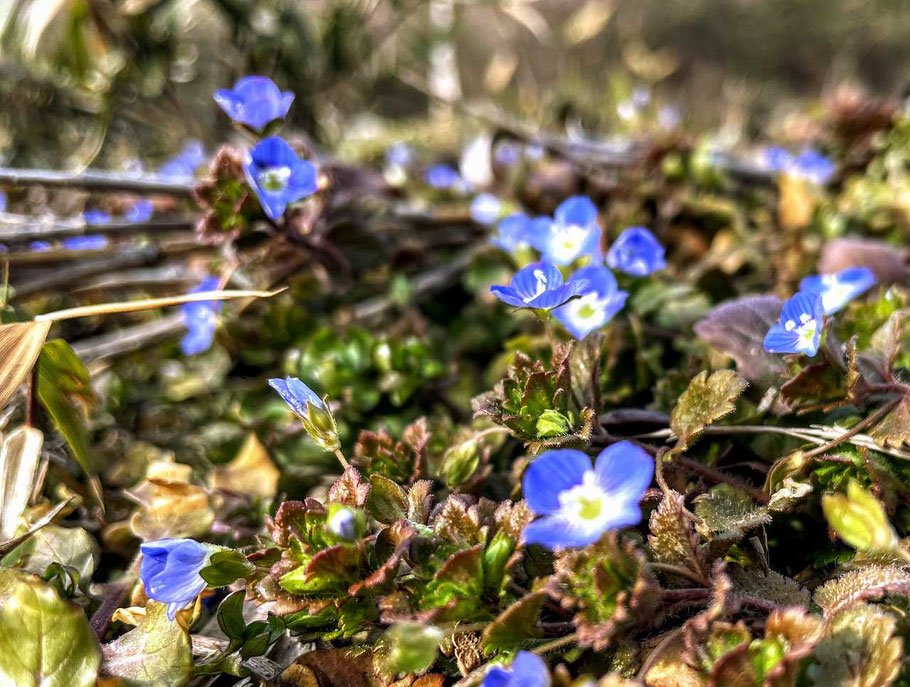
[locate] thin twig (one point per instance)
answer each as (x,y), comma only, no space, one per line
(95,180)
(21,229)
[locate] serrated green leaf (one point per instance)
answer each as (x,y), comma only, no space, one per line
(705,400)
(157,652)
(514,625)
(726,513)
(44,640)
(387,502)
(870,582)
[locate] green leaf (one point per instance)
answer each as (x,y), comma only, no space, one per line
(330,571)
(870,582)
(157,652)
(460,462)
(65,391)
(387,502)
(514,625)
(673,539)
(705,400)
(226,567)
(44,640)
(859,519)
(69,546)
(410,647)
(725,513)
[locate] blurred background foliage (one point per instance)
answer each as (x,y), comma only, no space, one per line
(99,81)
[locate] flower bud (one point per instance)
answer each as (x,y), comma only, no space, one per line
(460,462)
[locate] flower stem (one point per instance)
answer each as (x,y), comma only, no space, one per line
(555,644)
(344,461)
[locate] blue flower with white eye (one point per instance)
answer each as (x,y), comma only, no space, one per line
(507,153)
(296,394)
(839,288)
(170,571)
(140,211)
(485,208)
(578,502)
(443,177)
(279,176)
(574,232)
(201,319)
(809,164)
(255,101)
(512,233)
(96,217)
(93,242)
(636,252)
(540,285)
(800,327)
(184,164)
(596,306)
(527,670)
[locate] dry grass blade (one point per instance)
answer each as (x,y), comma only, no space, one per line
(46,519)
(150,304)
(18,463)
(20,344)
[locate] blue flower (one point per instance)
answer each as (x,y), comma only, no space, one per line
(527,670)
(96,217)
(170,571)
(580,503)
(598,303)
(512,233)
(3,201)
(343,524)
(539,285)
(574,232)
(485,208)
(184,164)
(399,155)
(39,246)
(279,176)
(93,242)
(141,211)
(255,101)
(443,177)
(296,394)
(636,252)
(838,289)
(809,164)
(507,153)
(200,318)
(800,327)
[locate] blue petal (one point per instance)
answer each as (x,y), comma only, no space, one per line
(778,159)
(579,327)
(507,295)
(599,279)
(170,571)
(485,208)
(529,670)
(95,242)
(539,231)
(554,532)
(802,304)
(527,280)
(198,339)
(636,252)
(255,101)
(779,340)
(576,210)
(814,166)
(141,211)
(549,475)
(303,182)
(296,394)
(96,217)
(512,232)
(624,471)
(497,676)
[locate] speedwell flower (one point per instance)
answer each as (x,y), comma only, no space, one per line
(93,242)
(574,232)
(170,571)
(580,502)
(200,318)
(800,327)
(636,252)
(809,164)
(598,303)
(96,217)
(527,670)
(184,164)
(485,208)
(539,285)
(278,175)
(512,232)
(140,211)
(255,101)
(312,411)
(839,288)
(443,176)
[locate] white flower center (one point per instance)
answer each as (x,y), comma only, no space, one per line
(567,241)
(836,292)
(274,178)
(586,504)
(541,285)
(805,330)
(586,309)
